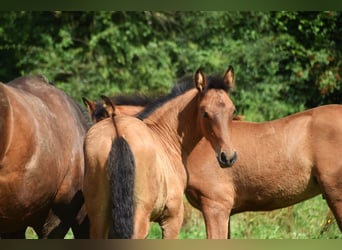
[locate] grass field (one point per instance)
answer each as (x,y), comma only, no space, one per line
(307,220)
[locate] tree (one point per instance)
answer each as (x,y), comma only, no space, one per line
(284,61)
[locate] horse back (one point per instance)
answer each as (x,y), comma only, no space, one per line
(55,99)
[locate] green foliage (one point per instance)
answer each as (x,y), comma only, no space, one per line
(284,61)
(315,54)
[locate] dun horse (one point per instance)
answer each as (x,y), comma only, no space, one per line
(281,162)
(41,161)
(135,166)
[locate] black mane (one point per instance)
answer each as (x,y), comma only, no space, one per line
(133,100)
(183,85)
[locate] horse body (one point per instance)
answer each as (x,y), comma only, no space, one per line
(281,163)
(41,160)
(156,189)
(159,143)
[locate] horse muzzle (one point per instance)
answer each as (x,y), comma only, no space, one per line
(226,161)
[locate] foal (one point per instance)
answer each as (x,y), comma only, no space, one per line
(281,163)
(135,166)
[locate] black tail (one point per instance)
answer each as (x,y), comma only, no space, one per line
(121,166)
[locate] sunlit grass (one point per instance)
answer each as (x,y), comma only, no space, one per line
(311,219)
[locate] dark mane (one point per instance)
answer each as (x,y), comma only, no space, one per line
(125,99)
(216,82)
(133,100)
(179,88)
(85,114)
(184,84)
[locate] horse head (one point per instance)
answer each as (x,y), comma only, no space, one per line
(216,112)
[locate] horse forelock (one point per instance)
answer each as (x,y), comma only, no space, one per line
(216,82)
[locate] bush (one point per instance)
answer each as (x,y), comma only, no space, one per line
(284,61)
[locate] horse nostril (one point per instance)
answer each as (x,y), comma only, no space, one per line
(225,161)
(223,157)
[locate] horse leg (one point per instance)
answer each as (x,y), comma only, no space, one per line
(57,232)
(171,227)
(80,220)
(172,219)
(97,204)
(216,218)
(99,220)
(141,223)
(331,185)
(80,228)
(14,235)
(53,227)
(228,228)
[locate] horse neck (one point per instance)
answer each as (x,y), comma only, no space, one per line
(129,110)
(175,123)
(5,121)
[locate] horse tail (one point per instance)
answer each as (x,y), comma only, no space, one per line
(121,166)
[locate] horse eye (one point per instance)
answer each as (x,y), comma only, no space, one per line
(205,114)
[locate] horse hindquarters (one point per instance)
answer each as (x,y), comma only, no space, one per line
(331,186)
(121,166)
(96,184)
(130,211)
(329,172)
(327,146)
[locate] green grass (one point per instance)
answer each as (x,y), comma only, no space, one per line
(311,219)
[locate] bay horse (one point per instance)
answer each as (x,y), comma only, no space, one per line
(41,160)
(134,166)
(281,163)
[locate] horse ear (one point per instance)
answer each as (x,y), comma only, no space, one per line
(90,105)
(229,77)
(109,106)
(200,81)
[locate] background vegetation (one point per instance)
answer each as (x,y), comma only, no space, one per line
(284,62)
